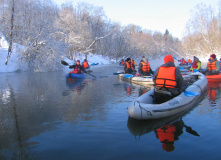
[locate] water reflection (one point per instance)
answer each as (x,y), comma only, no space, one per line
(213,91)
(75,85)
(167,130)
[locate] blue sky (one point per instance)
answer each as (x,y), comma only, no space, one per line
(155,15)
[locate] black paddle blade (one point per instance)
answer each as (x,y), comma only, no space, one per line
(191,131)
(64,63)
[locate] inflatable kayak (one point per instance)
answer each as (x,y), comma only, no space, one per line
(144,108)
(75,76)
(214,77)
(136,79)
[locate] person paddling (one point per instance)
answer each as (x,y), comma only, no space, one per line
(168,81)
(128,66)
(196,64)
(144,68)
(85,64)
(213,66)
(78,68)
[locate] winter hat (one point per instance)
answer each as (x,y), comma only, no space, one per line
(168,58)
(128,59)
(195,58)
(78,61)
(213,56)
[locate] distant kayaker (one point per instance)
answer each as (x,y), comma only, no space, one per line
(85,64)
(213,66)
(122,62)
(78,68)
(196,64)
(134,63)
(144,68)
(168,81)
(182,61)
(128,66)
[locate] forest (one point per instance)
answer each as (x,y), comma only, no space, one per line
(49,32)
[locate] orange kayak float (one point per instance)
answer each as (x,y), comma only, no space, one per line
(214,77)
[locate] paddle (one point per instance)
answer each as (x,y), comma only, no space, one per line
(66,64)
(191,131)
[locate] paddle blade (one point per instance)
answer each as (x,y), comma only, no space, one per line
(190,94)
(64,63)
(128,76)
(191,131)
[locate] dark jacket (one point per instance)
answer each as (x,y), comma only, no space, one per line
(178,77)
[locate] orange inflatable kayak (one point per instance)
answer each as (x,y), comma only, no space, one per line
(214,77)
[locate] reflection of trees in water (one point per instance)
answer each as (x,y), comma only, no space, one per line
(10,131)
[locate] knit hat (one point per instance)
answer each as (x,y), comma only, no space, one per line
(128,59)
(213,56)
(168,58)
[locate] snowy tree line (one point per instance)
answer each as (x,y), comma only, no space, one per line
(49,32)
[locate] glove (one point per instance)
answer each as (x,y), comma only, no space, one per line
(71,66)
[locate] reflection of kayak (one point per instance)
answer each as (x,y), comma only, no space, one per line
(143,107)
(75,76)
(214,77)
(136,79)
(72,83)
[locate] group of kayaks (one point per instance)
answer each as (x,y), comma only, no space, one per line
(143,108)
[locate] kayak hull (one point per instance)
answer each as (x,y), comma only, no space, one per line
(214,77)
(75,76)
(143,108)
(137,80)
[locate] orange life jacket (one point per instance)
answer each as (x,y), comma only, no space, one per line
(146,67)
(212,66)
(182,61)
(77,69)
(122,62)
(85,64)
(166,133)
(189,61)
(129,65)
(166,77)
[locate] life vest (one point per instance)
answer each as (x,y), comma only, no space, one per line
(146,67)
(194,65)
(166,133)
(212,66)
(77,69)
(166,77)
(182,61)
(85,64)
(189,61)
(122,62)
(129,65)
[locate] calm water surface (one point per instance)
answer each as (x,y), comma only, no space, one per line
(43,116)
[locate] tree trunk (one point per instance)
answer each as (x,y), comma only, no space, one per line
(11,33)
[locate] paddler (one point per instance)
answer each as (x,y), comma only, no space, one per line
(78,68)
(168,81)
(213,66)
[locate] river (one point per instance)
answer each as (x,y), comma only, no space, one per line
(43,116)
